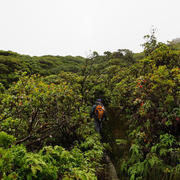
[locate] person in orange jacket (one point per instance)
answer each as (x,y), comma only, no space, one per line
(98,112)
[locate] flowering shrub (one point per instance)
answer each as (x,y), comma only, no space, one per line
(39,120)
(152,107)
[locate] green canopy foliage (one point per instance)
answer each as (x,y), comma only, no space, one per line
(46,132)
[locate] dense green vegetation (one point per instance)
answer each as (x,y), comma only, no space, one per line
(11,62)
(46,132)
(177,46)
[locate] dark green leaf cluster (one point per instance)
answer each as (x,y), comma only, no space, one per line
(50,162)
(11,62)
(149,99)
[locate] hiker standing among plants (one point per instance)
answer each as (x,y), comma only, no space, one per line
(98,112)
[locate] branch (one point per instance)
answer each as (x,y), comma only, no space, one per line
(22,140)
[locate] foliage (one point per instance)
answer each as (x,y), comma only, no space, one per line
(150,100)
(151,43)
(11,62)
(5,139)
(40,113)
(33,111)
(49,163)
(46,132)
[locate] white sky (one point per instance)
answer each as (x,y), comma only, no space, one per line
(76,27)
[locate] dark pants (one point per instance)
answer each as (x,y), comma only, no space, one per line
(98,125)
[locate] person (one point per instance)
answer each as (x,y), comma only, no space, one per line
(98,112)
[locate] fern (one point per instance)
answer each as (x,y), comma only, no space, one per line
(136,153)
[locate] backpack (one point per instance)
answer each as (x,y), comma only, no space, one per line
(99,111)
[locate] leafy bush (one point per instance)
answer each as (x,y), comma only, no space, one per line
(39,114)
(51,162)
(6,140)
(150,101)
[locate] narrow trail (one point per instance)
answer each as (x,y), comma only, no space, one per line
(112,175)
(117,126)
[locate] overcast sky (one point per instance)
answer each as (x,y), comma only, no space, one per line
(76,27)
